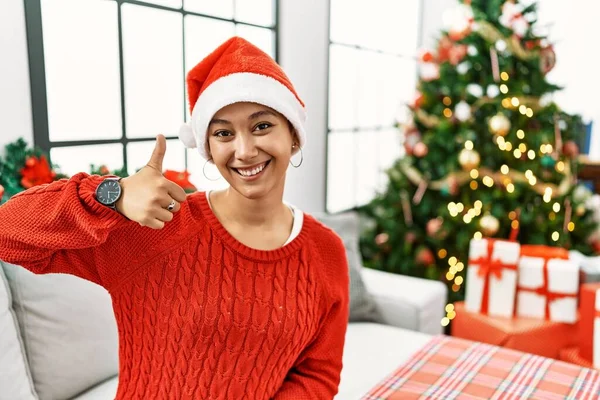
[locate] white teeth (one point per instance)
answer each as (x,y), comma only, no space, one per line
(252,171)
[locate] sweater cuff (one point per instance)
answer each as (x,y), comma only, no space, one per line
(87,194)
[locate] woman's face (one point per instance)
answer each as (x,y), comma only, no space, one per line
(251,145)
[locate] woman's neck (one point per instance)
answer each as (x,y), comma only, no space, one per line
(229,205)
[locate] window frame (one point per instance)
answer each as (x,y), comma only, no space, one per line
(356,130)
(37,73)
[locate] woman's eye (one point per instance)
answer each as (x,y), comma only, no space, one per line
(221,134)
(263,126)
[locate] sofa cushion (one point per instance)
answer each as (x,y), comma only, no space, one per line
(346,225)
(68,329)
(371,353)
(104,391)
(15,380)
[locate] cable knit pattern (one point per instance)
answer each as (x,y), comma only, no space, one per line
(200,315)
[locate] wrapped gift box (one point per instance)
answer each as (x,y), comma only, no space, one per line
(492,277)
(590,323)
(573,355)
(531,335)
(548,284)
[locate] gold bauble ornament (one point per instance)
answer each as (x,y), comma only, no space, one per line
(489,225)
(499,125)
(468,159)
(580,210)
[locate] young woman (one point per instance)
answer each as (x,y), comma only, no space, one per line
(225,295)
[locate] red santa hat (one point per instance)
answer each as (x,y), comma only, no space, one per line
(238,71)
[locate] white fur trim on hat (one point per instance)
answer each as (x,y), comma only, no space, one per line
(241,87)
(186,135)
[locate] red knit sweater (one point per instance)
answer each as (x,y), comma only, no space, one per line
(199,314)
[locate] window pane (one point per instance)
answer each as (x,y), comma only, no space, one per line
(153,69)
(343,87)
(345,21)
(390,25)
(367,167)
(202,183)
(217,8)
(390,150)
(262,38)
(203,35)
(370,84)
(82,69)
(341,165)
(166,3)
(75,159)
(259,12)
(138,155)
(398,82)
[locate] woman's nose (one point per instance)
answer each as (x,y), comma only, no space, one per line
(245,147)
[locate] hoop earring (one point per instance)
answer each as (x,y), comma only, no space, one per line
(204,173)
(301,158)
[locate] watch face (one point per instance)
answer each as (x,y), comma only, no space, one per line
(108,192)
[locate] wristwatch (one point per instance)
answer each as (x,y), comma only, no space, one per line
(108,192)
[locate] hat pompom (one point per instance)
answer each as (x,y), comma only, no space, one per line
(186,135)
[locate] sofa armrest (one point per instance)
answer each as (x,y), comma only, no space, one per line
(407,302)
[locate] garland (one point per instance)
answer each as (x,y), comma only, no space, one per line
(461,177)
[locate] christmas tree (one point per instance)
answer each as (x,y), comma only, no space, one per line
(488,153)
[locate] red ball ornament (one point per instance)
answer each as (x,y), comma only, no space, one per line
(596,246)
(453,186)
(417,100)
(547,59)
(424,257)
(411,138)
(420,150)
(410,237)
(382,239)
(1,191)
(570,149)
(433,226)
(104,170)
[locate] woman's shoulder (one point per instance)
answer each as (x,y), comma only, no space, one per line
(328,244)
(321,233)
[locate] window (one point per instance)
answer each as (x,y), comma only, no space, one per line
(372,73)
(107,76)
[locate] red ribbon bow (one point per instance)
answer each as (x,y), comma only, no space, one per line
(487,267)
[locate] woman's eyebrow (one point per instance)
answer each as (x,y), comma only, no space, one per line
(250,118)
(261,113)
(219,121)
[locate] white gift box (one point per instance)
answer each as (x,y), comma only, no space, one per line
(548,288)
(492,273)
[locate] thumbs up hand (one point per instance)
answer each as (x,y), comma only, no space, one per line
(147,194)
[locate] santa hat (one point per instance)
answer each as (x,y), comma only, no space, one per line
(238,71)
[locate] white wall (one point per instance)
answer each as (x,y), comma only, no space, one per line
(573,28)
(304,58)
(15,96)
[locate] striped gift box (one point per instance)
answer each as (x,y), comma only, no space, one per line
(451,368)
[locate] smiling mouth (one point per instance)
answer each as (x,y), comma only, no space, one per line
(250,172)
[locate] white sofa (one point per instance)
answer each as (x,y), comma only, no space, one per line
(58,338)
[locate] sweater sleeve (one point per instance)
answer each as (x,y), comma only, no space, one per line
(57,227)
(316,373)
